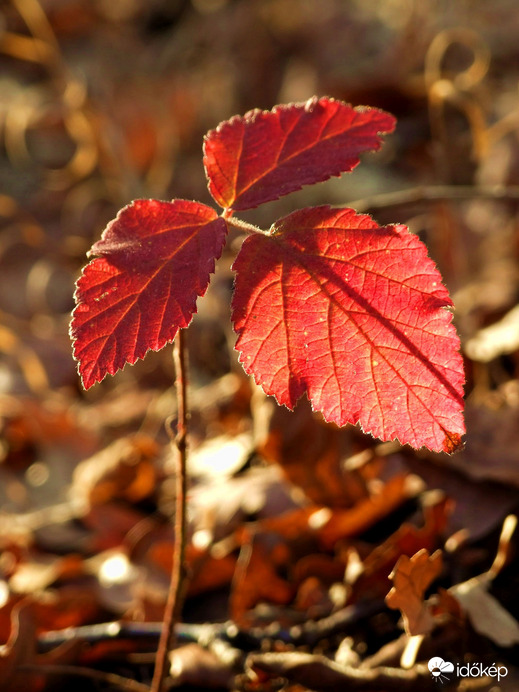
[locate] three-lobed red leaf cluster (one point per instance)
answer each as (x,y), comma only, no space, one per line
(326,303)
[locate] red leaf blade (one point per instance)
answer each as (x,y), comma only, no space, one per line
(156,259)
(264,155)
(353,315)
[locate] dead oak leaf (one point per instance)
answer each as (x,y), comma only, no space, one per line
(411,577)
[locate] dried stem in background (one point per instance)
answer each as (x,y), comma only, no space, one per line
(435,193)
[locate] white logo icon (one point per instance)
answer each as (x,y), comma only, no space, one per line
(439,667)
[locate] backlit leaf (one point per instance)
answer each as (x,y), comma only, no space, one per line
(155,260)
(264,155)
(352,314)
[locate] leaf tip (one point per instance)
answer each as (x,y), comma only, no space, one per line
(453,442)
(86,382)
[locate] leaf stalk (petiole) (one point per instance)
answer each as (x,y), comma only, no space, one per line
(244,226)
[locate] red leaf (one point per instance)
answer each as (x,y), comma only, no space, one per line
(267,154)
(352,314)
(156,259)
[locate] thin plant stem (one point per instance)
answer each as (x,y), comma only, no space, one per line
(177,585)
(244,226)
